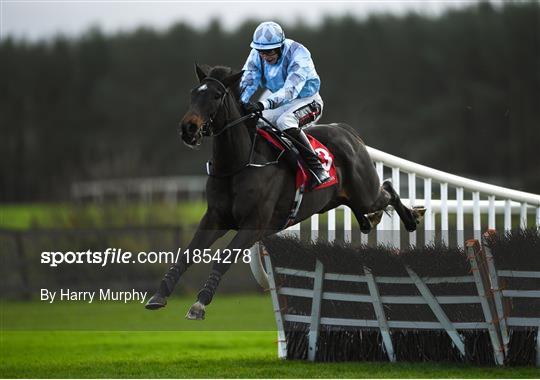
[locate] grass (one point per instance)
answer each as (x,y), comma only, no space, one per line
(249,312)
(117,343)
(173,354)
(72,215)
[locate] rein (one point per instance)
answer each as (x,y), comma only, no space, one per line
(249,163)
(207,131)
(208,124)
(234,123)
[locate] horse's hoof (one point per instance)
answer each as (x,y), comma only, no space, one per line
(410,228)
(374,218)
(387,185)
(365,224)
(196,312)
(418,213)
(157,301)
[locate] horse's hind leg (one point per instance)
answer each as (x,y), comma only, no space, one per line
(388,196)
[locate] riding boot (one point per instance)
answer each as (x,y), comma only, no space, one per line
(311,158)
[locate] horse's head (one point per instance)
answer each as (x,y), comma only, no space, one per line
(207,110)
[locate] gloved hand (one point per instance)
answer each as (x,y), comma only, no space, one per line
(254,107)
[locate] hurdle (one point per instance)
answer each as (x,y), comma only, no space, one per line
(493,322)
(376,299)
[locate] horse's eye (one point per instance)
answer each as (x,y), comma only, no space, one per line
(217,96)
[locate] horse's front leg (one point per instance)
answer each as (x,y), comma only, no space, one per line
(244,239)
(207,233)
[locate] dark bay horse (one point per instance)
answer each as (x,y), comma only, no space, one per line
(256,201)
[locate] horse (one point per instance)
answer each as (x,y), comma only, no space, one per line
(255,200)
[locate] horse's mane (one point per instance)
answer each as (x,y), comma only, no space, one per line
(221,72)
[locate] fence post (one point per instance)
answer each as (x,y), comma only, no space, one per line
(497,294)
(379,313)
(491,212)
(331,214)
(477,261)
(382,227)
(523,216)
(315,311)
(282,339)
(429,237)
(460,233)
(412,203)
(396,234)
(507,215)
(314,227)
(477,221)
(444,213)
(347,222)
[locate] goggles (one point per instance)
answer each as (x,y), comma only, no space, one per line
(268,52)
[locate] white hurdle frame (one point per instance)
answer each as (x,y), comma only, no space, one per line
(385,326)
(484,274)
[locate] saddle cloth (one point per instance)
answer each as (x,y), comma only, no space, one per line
(302,173)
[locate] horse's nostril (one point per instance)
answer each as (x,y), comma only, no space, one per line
(189,128)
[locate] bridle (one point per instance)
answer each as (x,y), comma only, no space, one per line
(207,127)
(207,130)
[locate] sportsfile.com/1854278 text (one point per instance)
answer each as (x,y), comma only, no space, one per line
(119,256)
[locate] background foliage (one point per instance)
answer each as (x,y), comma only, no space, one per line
(459,92)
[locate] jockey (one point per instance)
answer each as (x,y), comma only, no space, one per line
(284,67)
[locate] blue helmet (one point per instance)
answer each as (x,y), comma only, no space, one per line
(268,35)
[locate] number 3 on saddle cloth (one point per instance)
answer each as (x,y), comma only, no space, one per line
(303,176)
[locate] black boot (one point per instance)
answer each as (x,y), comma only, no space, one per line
(159,299)
(311,158)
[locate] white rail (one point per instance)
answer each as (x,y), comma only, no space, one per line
(447,199)
(145,189)
(451,179)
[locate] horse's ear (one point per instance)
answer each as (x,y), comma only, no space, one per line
(232,79)
(202,72)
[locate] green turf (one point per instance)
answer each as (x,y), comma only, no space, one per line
(226,312)
(70,215)
(195,355)
(247,350)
